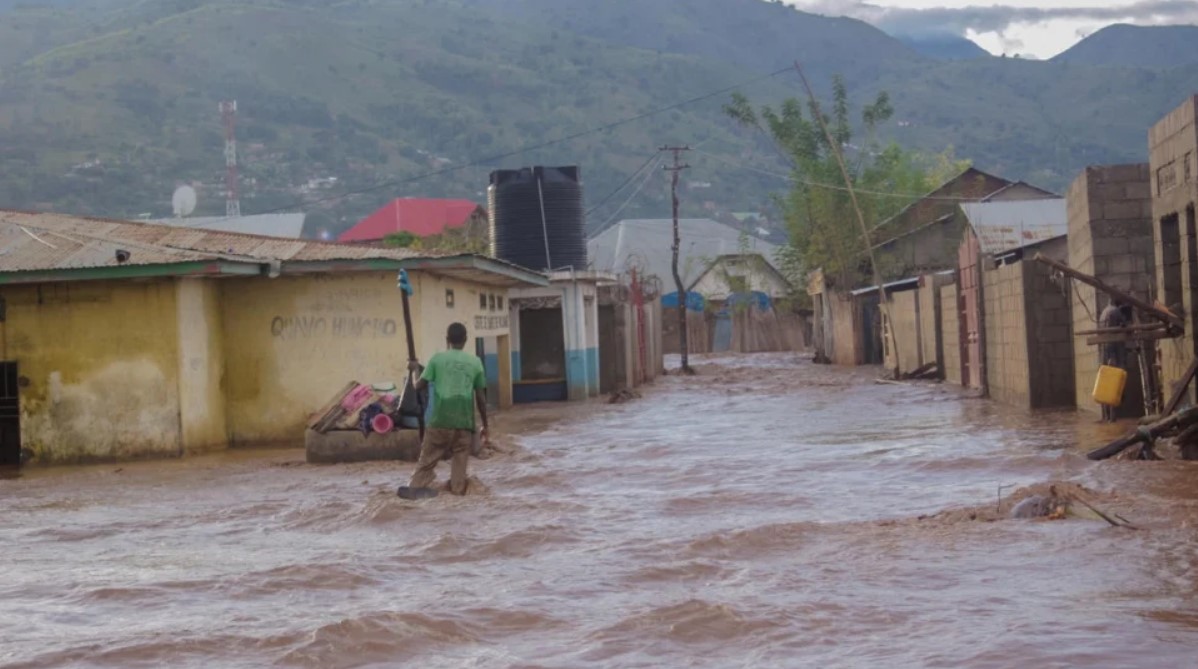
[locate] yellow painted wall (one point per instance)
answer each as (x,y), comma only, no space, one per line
(291,342)
(201,366)
(101,359)
(436,314)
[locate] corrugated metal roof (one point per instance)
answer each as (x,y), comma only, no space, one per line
(646,244)
(289,226)
(32,242)
(44,241)
(1008,225)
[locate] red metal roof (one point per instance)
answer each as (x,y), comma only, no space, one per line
(419,216)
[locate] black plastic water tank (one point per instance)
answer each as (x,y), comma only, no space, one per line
(519,233)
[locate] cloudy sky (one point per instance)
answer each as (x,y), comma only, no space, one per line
(1033,28)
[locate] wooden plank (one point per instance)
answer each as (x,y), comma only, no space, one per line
(1147,327)
(1146,434)
(1129,337)
(1156,312)
(326,412)
(1179,390)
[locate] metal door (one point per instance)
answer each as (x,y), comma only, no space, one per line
(10,415)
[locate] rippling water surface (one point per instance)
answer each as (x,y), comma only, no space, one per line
(765,513)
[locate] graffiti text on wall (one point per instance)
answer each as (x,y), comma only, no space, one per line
(483,323)
(337,327)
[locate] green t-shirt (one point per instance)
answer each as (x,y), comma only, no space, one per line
(455,375)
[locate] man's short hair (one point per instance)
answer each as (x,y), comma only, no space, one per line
(456,334)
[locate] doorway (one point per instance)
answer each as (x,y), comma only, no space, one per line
(491,370)
(10,416)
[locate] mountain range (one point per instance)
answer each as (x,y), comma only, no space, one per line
(107,105)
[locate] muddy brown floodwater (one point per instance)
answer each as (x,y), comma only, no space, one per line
(768,513)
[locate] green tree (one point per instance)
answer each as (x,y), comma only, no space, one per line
(817,209)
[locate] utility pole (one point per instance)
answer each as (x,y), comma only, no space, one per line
(675,170)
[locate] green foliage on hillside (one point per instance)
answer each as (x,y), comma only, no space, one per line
(105,108)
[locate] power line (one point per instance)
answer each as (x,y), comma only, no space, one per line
(510,154)
(621,187)
(644,182)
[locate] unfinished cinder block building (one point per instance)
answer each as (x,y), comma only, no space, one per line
(1110,238)
(1173,145)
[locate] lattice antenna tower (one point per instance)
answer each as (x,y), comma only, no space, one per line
(228,114)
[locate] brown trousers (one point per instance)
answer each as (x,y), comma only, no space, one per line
(436,443)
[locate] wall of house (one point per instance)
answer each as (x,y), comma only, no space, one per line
(577,304)
(930,249)
(1173,161)
(99,363)
(291,342)
(950,329)
(1006,334)
(758,276)
(1048,316)
(931,336)
(202,412)
(1110,238)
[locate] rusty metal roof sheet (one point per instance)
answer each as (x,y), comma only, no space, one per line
(45,241)
(289,226)
(1009,225)
(41,242)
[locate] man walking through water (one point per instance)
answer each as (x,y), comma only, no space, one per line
(1113,354)
(459,385)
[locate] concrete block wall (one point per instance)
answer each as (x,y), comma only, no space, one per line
(1050,343)
(1006,335)
(1173,164)
(1111,238)
(950,332)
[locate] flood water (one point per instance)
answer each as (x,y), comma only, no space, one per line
(766,513)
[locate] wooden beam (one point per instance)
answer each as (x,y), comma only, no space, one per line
(1179,389)
(1149,309)
(1146,327)
(1129,337)
(1146,434)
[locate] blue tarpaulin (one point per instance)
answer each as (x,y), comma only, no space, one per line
(694,301)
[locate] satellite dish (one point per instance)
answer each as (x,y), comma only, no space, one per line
(183,201)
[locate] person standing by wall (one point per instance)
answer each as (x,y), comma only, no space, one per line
(1113,354)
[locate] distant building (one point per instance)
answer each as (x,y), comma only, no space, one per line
(421,217)
(1015,333)
(645,245)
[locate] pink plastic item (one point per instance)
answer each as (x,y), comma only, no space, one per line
(356,398)
(382,423)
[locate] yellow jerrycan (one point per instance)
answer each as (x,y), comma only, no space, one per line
(1108,387)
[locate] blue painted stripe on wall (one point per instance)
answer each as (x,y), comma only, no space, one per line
(576,374)
(593,370)
(516,375)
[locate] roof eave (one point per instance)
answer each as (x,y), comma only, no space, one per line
(459,263)
(184,269)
